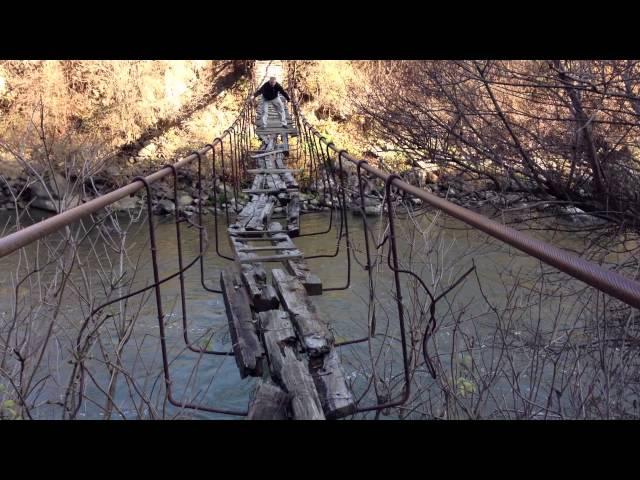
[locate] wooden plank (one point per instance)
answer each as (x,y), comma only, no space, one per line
(335,396)
(239,232)
(310,281)
(258,182)
(256,222)
(265,154)
(262,214)
(269,402)
(277,182)
(272,170)
(280,342)
(288,178)
(293,216)
(263,296)
(299,268)
(252,258)
(247,348)
(277,333)
(267,190)
(271,248)
(316,337)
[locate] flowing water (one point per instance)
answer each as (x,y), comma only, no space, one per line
(439,256)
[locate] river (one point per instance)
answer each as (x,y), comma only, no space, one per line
(442,252)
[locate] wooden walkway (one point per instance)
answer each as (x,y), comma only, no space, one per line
(277,332)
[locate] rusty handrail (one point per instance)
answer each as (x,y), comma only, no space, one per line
(608,281)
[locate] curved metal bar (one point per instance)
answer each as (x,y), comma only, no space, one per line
(607,281)
(215,213)
(160,313)
(183,300)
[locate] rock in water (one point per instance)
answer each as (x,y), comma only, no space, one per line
(184,200)
(166,206)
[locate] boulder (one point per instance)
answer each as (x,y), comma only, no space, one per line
(184,199)
(166,206)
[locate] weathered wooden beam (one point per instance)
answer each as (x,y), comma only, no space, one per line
(247,348)
(251,191)
(251,258)
(293,216)
(310,281)
(299,268)
(263,296)
(316,337)
(261,213)
(280,342)
(335,396)
(262,249)
(259,171)
(269,402)
(277,333)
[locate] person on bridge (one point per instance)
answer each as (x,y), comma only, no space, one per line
(270,96)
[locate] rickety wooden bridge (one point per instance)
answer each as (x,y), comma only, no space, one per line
(278,335)
(277,332)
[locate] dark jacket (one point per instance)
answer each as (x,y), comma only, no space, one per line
(269,92)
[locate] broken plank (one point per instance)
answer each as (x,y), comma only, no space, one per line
(271,258)
(316,337)
(310,281)
(293,216)
(335,396)
(271,248)
(269,402)
(262,214)
(263,296)
(247,348)
(280,342)
(268,190)
(272,170)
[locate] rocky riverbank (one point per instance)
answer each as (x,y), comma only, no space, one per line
(59,193)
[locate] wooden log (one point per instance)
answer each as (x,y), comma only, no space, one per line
(280,342)
(247,348)
(269,402)
(278,236)
(335,396)
(316,337)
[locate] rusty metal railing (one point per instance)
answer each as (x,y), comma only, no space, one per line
(607,281)
(237,139)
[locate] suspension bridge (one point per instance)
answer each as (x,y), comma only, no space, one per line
(278,334)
